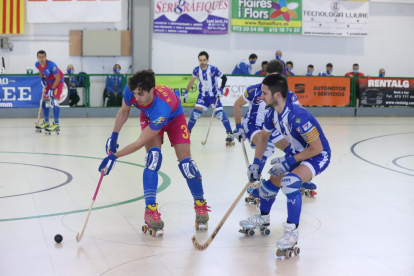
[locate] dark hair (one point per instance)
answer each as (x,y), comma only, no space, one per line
(276,83)
(144,80)
(41,52)
(310,65)
(203,53)
(355,64)
(118,65)
(329,65)
(289,62)
(253,56)
(264,63)
(274,66)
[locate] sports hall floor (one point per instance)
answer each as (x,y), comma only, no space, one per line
(360,223)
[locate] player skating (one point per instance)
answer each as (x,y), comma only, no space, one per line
(252,125)
(52,81)
(209,94)
(312,157)
(161,111)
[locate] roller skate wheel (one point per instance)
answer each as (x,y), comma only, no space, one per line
(247,200)
(160,232)
(152,232)
(307,193)
(280,253)
(233,143)
(266,232)
(144,228)
(288,254)
(250,232)
(296,250)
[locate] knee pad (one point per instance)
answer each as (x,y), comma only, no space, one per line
(291,184)
(189,168)
(269,150)
(153,159)
(266,192)
(220,115)
(196,114)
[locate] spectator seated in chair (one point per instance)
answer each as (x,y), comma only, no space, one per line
(112,95)
(73,84)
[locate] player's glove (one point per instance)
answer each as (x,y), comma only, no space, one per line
(238,133)
(220,93)
(112,143)
(108,163)
(281,165)
(185,96)
(44,82)
(253,172)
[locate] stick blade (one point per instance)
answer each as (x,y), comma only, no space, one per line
(197,245)
(203,143)
(78,239)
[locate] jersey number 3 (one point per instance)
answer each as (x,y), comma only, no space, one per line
(185,135)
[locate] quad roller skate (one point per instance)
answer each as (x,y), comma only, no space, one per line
(201,210)
(255,222)
(43,125)
(55,127)
(253,196)
(308,189)
(153,223)
(286,245)
(230,139)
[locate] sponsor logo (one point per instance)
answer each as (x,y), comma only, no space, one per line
(159,121)
(297,120)
(299,88)
(293,201)
(307,126)
(335,6)
(299,129)
(246,94)
(264,191)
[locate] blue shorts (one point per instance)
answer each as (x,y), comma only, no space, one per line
(205,102)
(250,130)
(316,164)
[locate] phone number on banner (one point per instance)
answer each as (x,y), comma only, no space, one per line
(246,29)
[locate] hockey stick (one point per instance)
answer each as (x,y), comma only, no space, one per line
(79,237)
(211,121)
(40,110)
(202,247)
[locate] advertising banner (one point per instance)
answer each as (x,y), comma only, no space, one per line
(58,11)
(332,91)
(335,18)
(24,91)
(262,16)
(235,87)
(191,17)
(386,91)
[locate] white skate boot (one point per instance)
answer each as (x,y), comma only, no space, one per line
(286,245)
(255,222)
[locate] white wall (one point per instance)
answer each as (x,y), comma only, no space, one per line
(54,39)
(389,45)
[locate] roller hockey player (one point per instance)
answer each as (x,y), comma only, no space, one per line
(209,94)
(161,112)
(312,157)
(52,81)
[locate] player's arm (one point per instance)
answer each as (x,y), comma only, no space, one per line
(57,80)
(261,143)
(315,148)
(191,82)
(237,109)
(244,69)
(121,117)
(146,135)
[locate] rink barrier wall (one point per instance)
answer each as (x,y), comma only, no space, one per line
(110,112)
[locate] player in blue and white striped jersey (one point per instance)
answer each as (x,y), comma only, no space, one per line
(312,157)
(209,93)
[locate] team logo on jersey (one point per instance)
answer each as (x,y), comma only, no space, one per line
(246,94)
(297,120)
(159,121)
(299,130)
(307,126)
(54,68)
(289,126)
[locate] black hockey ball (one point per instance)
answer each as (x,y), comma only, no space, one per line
(58,238)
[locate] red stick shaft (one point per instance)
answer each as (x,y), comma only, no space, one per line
(99,185)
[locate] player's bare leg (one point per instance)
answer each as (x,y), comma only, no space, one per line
(193,177)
